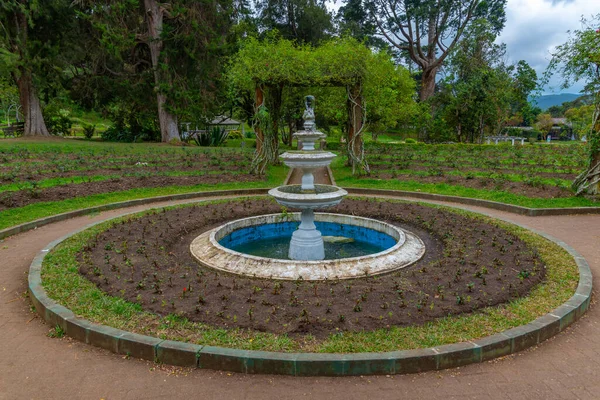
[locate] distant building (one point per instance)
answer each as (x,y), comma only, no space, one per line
(221,121)
(228,123)
(561,128)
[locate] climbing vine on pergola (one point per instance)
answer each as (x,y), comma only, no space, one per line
(269,66)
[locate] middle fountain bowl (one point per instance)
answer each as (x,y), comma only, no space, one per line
(307,241)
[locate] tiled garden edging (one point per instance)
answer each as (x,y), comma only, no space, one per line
(301,364)
(531,212)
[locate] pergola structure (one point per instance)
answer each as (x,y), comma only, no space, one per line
(271,66)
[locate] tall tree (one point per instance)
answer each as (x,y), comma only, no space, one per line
(526,81)
(428,30)
(304,21)
(477,92)
(32,32)
(180,42)
(579,60)
(354,20)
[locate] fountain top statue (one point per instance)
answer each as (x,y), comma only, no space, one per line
(309,113)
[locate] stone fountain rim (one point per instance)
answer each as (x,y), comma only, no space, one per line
(309,198)
(208,252)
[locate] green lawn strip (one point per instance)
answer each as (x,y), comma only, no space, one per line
(481,174)
(63,283)
(16,216)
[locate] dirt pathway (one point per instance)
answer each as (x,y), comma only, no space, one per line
(33,365)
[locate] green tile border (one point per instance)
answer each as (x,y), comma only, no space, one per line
(531,212)
(308,364)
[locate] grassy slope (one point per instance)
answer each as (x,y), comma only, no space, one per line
(31,212)
(344,178)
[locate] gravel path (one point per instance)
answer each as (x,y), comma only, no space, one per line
(33,365)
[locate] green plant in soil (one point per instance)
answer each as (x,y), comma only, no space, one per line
(64,284)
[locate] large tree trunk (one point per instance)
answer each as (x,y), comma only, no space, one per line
(168,122)
(30,106)
(589,181)
(428,83)
(258,131)
(30,102)
(356,117)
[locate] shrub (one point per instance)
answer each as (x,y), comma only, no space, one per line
(215,137)
(89,130)
(410,141)
(235,135)
(202,138)
(57,120)
(218,136)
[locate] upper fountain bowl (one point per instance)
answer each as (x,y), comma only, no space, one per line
(294,197)
(307,159)
(308,138)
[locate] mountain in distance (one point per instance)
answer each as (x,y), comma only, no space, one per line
(547,101)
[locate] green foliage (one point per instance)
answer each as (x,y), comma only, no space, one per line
(58,119)
(387,88)
(276,61)
(131,124)
(178,71)
(481,93)
(214,137)
(579,59)
(426,32)
(580,119)
(544,123)
(355,21)
(89,130)
(235,135)
(303,21)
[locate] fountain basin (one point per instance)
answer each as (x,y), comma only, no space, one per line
(406,248)
(294,196)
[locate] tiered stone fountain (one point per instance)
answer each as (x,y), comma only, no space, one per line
(307,242)
(254,246)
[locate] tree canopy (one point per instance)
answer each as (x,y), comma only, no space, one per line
(371,82)
(428,30)
(579,60)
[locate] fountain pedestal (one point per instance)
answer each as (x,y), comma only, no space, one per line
(307,242)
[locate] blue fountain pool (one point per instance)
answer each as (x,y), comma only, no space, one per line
(273,240)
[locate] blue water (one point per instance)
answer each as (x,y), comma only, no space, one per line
(273,240)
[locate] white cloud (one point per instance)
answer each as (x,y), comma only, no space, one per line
(535,27)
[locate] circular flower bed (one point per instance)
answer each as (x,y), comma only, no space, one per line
(472,265)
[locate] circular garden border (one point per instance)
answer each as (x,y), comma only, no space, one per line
(306,364)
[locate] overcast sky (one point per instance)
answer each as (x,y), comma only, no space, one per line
(534,27)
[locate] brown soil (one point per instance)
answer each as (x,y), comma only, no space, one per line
(57,193)
(469,264)
(519,188)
